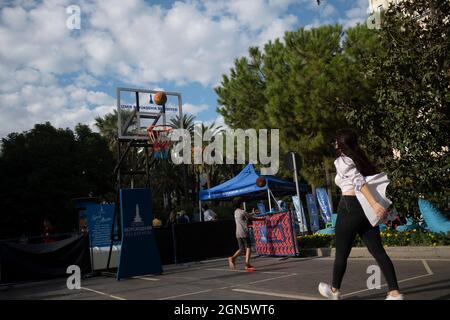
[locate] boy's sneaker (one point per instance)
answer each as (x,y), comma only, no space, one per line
(249,268)
(325,290)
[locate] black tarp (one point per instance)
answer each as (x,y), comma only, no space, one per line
(205,240)
(196,241)
(178,244)
(164,242)
(24,262)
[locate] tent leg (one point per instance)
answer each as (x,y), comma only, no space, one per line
(270,201)
(200,210)
(245,207)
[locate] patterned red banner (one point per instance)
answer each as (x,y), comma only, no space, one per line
(274,235)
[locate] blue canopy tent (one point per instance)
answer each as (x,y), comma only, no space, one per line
(244,185)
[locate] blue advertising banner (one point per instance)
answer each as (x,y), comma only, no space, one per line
(139,254)
(324,202)
(261,207)
(99,222)
(81,206)
(313,214)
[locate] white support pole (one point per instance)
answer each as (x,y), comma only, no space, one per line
(200,210)
(245,207)
(276,201)
(295,176)
(270,201)
(308,227)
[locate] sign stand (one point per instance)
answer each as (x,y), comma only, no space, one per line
(291,160)
(139,253)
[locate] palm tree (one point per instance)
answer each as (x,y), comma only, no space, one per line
(186,121)
(108,128)
(208,169)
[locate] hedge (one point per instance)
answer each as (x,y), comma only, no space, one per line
(414,237)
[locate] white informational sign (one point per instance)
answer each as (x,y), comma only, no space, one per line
(300,214)
(377,185)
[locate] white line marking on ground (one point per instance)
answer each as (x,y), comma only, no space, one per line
(103,293)
(275,294)
(256,271)
(182,278)
(270,279)
(283,275)
(223,269)
(213,260)
(232,286)
(413,278)
(385,285)
(277,272)
(427,267)
(393,259)
(146,278)
(186,294)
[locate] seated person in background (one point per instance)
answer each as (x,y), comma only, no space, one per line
(182,217)
(172,218)
(256,211)
(282,206)
(156,223)
(208,214)
(84,230)
(49,230)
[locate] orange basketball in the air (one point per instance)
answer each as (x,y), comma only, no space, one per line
(160,98)
(260,182)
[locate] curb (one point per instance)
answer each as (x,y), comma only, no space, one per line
(441,252)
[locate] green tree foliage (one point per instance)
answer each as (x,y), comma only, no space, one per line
(108,128)
(412,111)
(43,169)
(301,85)
(242,93)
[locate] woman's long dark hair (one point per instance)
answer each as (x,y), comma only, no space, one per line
(347,144)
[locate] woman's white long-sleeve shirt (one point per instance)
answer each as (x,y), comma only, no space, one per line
(348,178)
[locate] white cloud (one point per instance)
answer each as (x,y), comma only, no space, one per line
(193,41)
(281,3)
(15,18)
(328,10)
(277,29)
(62,106)
(47,71)
(85,80)
(357,14)
(12,80)
(194,109)
(317,23)
(219,122)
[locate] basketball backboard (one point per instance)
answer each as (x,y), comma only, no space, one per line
(137,111)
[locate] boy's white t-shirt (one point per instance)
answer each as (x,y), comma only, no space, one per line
(210,215)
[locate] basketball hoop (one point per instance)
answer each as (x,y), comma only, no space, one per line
(159,136)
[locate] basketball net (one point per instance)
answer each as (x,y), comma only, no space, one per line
(159,136)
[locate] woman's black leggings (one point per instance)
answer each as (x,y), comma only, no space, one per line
(351,221)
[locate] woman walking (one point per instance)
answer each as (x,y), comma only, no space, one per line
(352,165)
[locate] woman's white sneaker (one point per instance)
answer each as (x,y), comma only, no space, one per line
(325,290)
(399,297)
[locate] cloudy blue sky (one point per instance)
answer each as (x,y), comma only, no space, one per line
(51,73)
